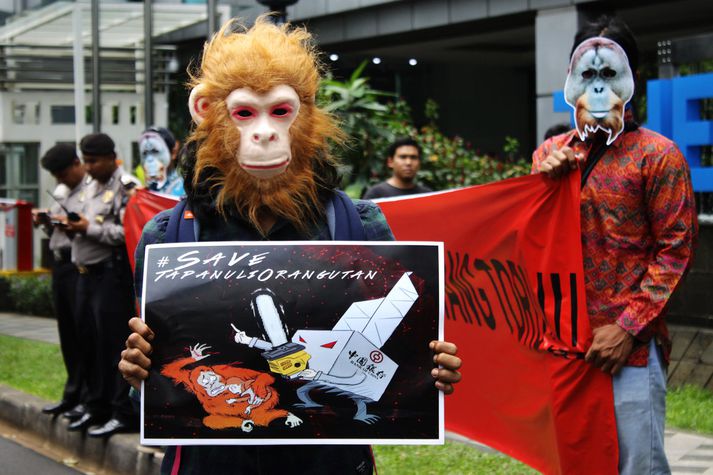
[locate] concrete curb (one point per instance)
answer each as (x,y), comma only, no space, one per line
(120,454)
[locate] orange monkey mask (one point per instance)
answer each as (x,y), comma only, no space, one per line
(260,144)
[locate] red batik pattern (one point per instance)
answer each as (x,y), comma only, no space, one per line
(639,225)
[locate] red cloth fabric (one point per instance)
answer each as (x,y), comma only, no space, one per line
(639,224)
(513,248)
(142,206)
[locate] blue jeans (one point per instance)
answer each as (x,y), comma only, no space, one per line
(640,407)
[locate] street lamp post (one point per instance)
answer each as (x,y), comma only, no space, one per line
(148,64)
(211,4)
(279,7)
(96,71)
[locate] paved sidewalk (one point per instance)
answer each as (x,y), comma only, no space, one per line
(687,453)
(32,328)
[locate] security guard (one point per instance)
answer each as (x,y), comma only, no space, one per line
(105,292)
(64,164)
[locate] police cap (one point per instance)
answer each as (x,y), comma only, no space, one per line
(97,145)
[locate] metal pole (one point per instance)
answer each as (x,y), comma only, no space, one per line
(148,65)
(211,17)
(281,17)
(96,70)
(78,63)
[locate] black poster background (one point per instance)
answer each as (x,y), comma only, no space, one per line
(185,312)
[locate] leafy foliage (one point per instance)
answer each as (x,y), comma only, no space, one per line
(447,162)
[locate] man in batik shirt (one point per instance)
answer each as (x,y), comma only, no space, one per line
(638,229)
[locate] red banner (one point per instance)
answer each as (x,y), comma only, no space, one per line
(142,206)
(512,249)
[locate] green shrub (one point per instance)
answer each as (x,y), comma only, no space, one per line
(30,294)
(447,162)
(6,303)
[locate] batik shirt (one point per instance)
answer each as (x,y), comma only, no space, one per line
(639,223)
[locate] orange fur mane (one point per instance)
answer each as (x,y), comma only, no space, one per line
(261,58)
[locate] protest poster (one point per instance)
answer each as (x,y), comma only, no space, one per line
(292,343)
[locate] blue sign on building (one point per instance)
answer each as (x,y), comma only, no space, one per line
(674,110)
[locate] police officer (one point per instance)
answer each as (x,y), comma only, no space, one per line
(64,164)
(105,292)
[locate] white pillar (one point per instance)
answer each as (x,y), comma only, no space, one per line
(78,63)
(554,33)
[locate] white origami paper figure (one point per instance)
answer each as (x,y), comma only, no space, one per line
(347,359)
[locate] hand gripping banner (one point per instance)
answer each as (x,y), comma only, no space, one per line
(513,249)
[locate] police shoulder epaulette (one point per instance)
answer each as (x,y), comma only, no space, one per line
(129,181)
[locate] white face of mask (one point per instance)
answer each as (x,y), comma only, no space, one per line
(155,158)
(264,122)
(599,85)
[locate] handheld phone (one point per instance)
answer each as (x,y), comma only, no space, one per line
(71,215)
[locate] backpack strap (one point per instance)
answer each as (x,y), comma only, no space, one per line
(180,229)
(591,161)
(347,223)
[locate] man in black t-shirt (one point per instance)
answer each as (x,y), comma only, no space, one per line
(405,161)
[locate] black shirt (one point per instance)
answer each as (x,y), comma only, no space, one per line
(385,190)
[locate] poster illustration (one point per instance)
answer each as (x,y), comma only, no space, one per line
(292,343)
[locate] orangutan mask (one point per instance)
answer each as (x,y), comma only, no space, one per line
(599,85)
(155,158)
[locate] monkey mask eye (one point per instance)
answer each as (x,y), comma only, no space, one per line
(588,73)
(243,113)
(607,73)
(281,111)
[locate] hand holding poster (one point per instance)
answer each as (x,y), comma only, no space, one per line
(292,343)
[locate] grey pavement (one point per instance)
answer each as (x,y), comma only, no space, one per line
(32,328)
(18,459)
(687,453)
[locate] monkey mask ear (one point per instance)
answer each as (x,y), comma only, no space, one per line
(198,104)
(600,83)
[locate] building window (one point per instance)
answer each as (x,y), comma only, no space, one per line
(135,157)
(19,171)
(62,114)
(26,113)
(115,114)
(18,113)
(133,112)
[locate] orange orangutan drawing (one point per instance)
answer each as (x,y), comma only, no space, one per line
(232,396)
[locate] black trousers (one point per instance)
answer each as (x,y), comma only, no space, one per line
(105,303)
(64,288)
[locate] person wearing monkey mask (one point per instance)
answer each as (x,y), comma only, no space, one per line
(257,167)
(639,225)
